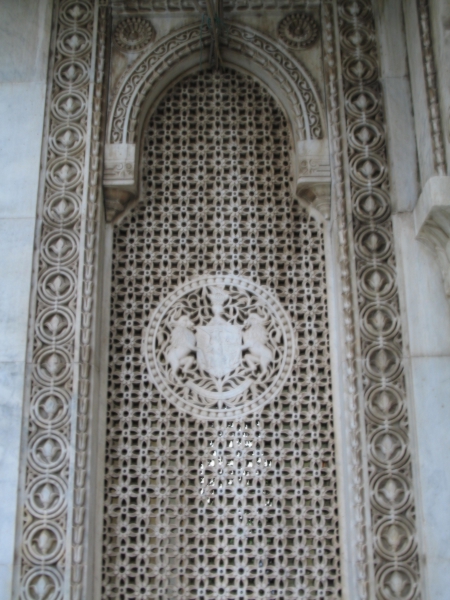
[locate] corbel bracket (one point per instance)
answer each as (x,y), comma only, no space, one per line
(432,223)
(314,176)
(119,178)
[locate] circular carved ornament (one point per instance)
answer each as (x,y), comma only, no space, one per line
(219,347)
(298,30)
(133,34)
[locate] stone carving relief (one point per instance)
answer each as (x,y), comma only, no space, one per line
(431,87)
(395,550)
(354,425)
(173,6)
(52,533)
(58,397)
(299,30)
(239,44)
(219,347)
(150,67)
(133,34)
(239,504)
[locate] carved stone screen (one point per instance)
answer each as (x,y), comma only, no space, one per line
(219,485)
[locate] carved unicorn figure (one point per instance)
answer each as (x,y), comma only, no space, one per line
(182,343)
(255,339)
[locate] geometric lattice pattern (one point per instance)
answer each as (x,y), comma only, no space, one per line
(240,508)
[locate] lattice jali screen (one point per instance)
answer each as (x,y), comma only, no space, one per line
(234,508)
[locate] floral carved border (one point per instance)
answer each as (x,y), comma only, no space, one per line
(52,531)
(387,438)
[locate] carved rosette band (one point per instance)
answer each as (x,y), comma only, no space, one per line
(393,522)
(51,536)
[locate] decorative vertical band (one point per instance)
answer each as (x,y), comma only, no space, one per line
(56,407)
(393,518)
(88,295)
(354,423)
(431,86)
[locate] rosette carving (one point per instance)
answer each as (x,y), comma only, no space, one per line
(133,34)
(299,30)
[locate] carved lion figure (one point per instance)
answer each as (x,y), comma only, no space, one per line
(255,339)
(182,342)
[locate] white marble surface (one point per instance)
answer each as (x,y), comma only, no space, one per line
(21,111)
(431,379)
(428,311)
(11,395)
(24,39)
(427,360)
(16,248)
(435,195)
(402,152)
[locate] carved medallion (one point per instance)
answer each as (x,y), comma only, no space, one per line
(133,34)
(219,347)
(298,30)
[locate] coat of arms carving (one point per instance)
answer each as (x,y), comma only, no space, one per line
(219,347)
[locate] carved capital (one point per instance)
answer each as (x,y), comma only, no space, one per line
(432,223)
(119,178)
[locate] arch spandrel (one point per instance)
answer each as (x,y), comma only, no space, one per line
(245,50)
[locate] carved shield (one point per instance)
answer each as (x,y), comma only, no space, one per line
(219,348)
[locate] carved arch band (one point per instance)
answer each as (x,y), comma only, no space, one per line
(245,50)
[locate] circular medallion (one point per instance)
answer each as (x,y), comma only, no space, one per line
(298,30)
(219,347)
(133,34)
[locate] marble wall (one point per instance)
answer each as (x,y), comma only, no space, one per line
(24,43)
(426,310)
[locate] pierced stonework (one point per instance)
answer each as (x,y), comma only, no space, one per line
(133,34)
(299,30)
(219,347)
(249,49)
(243,506)
(252,45)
